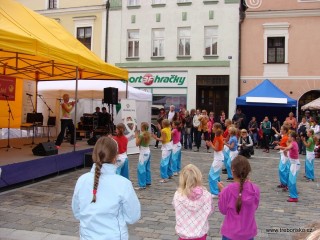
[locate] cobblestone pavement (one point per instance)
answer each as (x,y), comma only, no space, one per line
(42,210)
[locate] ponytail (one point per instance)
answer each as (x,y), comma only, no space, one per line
(97,174)
(239,200)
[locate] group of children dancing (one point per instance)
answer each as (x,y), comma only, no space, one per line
(289,164)
(193,204)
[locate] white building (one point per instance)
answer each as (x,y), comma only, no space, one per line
(183,51)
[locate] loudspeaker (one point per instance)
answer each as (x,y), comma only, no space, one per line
(88,160)
(45,149)
(110,95)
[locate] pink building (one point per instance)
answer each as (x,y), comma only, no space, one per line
(280,41)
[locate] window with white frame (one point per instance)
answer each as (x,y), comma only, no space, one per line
(133,43)
(183,1)
(210,41)
(275,51)
(133,2)
(158,1)
(52,4)
(84,35)
(184,37)
(157,42)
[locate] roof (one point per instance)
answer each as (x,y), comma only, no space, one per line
(35,47)
(266,94)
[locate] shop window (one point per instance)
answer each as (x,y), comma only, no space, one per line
(157,42)
(84,35)
(166,101)
(210,41)
(133,44)
(276,50)
(184,37)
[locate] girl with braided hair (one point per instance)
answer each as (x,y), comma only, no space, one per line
(238,202)
(143,169)
(103,201)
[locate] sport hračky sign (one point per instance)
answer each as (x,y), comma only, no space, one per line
(162,79)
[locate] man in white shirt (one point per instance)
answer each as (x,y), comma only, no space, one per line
(171,113)
(196,124)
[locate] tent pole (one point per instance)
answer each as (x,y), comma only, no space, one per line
(127,89)
(75,109)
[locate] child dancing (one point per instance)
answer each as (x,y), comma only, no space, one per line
(176,148)
(166,157)
(143,168)
(122,160)
(215,170)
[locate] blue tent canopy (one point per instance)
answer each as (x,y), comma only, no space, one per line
(266,94)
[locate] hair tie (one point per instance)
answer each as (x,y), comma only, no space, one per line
(240,194)
(94,192)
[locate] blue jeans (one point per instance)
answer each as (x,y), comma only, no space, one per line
(187,139)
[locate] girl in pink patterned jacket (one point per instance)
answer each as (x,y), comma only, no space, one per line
(193,205)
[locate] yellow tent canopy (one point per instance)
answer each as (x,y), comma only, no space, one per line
(38,48)
(34,47)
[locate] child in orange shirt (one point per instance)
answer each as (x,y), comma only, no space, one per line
(217,146)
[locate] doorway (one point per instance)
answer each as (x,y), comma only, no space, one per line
(213,93)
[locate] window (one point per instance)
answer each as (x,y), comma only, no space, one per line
(184,41)
(184,1)
(133,2)
(133,43)
(210,41)
(276,52)
(52,4)
(84,35)
(158,1)
(157,42)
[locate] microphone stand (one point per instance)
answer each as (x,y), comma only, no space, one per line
(34,121)
(49,110)
(9,115)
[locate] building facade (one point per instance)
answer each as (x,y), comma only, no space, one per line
(185,52)
(84,19)
(280,42)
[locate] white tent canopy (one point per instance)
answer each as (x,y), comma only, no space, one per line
(90,89)
(314,105)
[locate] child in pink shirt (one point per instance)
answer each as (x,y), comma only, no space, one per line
(238,202)
(193,205)
(293,155)
(176,148)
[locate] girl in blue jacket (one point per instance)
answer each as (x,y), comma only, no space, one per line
(103,201)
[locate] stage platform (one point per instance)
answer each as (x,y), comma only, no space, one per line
(20,165)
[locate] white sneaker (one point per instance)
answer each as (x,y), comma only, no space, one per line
(214,196)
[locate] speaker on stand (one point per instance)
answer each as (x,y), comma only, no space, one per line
(111,98)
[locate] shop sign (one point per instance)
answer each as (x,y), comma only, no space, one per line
(161,79)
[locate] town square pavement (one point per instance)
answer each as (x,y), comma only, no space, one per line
(42,210)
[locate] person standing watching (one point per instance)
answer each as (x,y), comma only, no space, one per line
(66,121)
(196,124)
(292,121)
